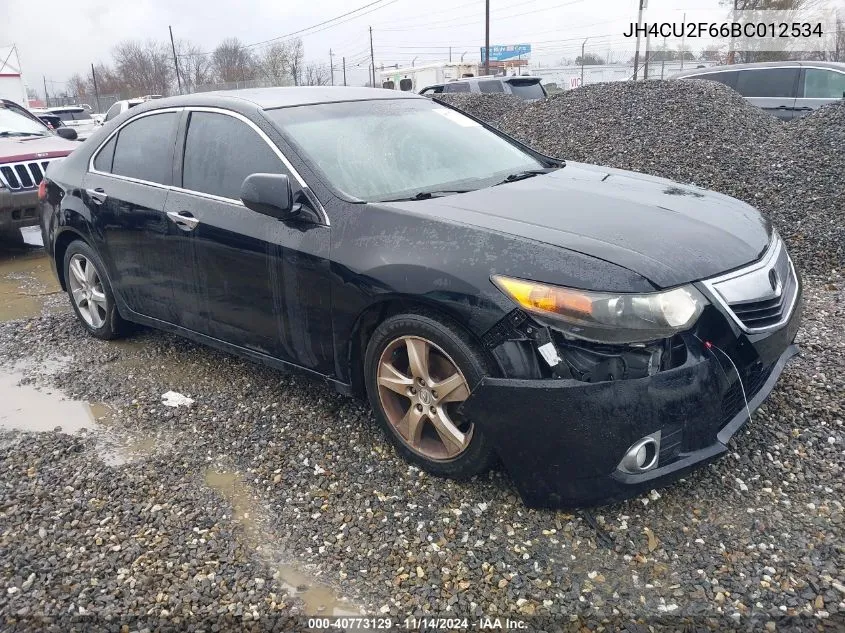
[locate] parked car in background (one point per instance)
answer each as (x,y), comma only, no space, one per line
(528,88)
(785,89)
(27,146)
(599,331)
(77,118)
(119,107)
(52,121)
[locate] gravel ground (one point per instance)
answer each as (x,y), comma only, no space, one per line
(755,538)
(702,133)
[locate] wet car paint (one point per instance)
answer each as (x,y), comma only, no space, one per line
(302,294)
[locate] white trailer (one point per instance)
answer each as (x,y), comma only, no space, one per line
(415,78)
(11,81)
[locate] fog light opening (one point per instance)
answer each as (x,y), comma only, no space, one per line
(642,455)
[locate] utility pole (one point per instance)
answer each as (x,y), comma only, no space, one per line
(96,91)
(372,58)
(683,35)
(663,60)
(331,65)
(645,67)
(344,71)
(175,59)
(450,55)
(487,37)
(583,44)
(637,53)
(46,96)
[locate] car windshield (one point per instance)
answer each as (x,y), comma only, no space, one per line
(16,124)
(397,148)
(81,115)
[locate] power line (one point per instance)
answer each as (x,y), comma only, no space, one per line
(312,27)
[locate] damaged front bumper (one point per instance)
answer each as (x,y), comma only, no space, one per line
(562,440)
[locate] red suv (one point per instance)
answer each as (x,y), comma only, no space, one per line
(26,148)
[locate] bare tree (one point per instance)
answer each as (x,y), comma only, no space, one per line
(275,63)
(296,60)
(144,68)
(233,62)
(316,75)
(195,67)
(77,85)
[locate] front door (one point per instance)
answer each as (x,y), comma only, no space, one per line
(261,283)
(149,257)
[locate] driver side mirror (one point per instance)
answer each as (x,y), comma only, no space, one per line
(67,132)
(269,194)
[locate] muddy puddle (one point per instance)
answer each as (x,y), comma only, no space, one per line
(319,599)
(26,283)
(28,408)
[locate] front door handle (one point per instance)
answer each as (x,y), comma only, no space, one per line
(183,219)
(98,196)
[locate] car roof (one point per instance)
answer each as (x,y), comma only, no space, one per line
(785,64)
(268,98)
(59,109)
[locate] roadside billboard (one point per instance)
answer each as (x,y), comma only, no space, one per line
(509,52)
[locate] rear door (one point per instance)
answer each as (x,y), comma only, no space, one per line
(819,86)
(772,89)
(261,283)
(126,190)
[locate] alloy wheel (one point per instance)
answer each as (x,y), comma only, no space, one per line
(420,388)
(86,289)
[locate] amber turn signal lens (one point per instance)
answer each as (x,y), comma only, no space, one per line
(536,296)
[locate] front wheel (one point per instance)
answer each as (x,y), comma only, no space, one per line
(90,292)
(418,372)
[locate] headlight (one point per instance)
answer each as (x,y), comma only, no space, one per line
(608,317)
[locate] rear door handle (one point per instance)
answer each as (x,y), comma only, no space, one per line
(183,219)
(98,196)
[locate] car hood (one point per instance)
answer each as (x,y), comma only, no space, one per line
(15,149)
(669,233)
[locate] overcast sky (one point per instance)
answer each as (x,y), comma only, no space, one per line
(56,38)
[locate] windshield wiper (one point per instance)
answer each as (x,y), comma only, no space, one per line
(425,195)
(7,133)
(528,173)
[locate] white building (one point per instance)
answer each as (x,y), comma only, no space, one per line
(11,81)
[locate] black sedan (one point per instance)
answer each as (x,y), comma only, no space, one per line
(600,332)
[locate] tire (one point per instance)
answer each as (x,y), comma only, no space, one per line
(466,453)
(104,322)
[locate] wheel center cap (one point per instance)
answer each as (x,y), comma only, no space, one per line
(425,396)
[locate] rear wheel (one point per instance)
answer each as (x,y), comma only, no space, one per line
(418,372)
(90,292)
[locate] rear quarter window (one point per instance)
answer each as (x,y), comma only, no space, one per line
(526,89)
(728,78)
(492,85)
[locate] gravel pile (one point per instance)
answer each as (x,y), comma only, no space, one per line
(702,133)
(490,108)
(754,539)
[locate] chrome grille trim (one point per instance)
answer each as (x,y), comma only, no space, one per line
(22,176)
(748,297)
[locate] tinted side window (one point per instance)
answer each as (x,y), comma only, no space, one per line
(104,159)
(405,84)
(145,148)
(491,85)
(113,112)
(220,151)
(728,78)
(458,87)
(387,84)
(767,82)
(823,84)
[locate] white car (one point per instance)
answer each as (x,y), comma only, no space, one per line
(119,107)
(78,118)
